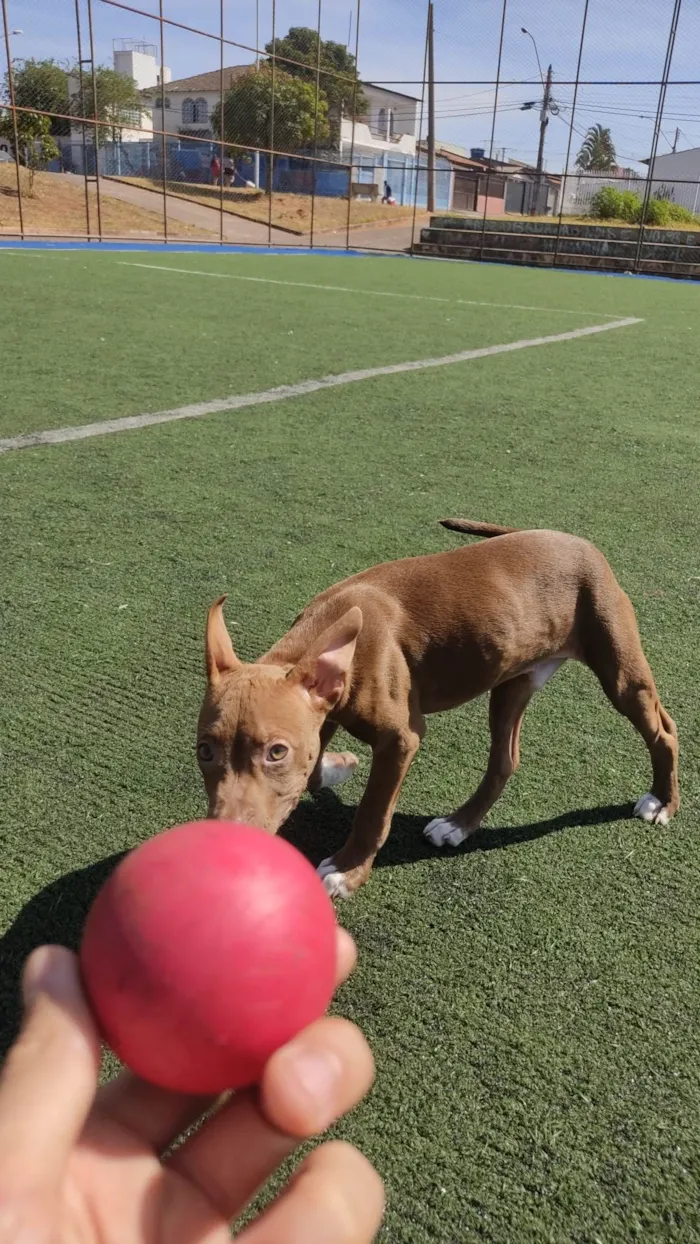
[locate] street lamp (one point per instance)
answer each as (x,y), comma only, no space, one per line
(547,107)
(525,31)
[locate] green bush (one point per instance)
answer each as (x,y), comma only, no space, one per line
(681,215)
(630,207)
(611,204)
(605,204)
(658,213)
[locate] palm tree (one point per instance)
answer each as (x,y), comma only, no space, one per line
(597,154)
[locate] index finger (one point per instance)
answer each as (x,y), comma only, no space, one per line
(49,1078)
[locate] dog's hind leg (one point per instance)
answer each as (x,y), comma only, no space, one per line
(614,653)
(331,768)
(507,706)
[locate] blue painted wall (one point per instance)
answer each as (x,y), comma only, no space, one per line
(190,162)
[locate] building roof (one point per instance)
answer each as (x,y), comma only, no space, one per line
(210,81)
(389,90)
(507,168)
(664,154)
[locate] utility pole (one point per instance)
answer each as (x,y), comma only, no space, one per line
(544,122)
(431,110)
(675,141)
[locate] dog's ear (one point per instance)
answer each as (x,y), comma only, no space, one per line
(324,670)
(218,649)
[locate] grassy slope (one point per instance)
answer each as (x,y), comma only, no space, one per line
(532,1000)
(57,209)
(289,211)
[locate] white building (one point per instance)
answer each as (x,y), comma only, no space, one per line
(139,61)
(188,103)
(391,125)
(676,176)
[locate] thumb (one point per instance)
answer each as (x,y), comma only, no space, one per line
(49,1078)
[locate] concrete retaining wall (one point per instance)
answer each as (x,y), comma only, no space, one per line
(672,252)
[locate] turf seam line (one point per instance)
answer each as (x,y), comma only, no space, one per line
(59,436)
(372,293)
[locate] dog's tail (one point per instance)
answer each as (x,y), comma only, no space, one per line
(469,528)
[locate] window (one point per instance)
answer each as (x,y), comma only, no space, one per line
(201,111)
(187,111)
(391,123)
(381,121)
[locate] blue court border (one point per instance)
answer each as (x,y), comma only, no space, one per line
(191,248)
(216,248)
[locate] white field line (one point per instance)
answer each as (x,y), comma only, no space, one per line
(371,293)
(59,436)
(31,254)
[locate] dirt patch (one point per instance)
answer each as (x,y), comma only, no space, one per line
(289,211)
(58,209)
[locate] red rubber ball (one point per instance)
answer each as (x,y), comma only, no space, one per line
(208,948)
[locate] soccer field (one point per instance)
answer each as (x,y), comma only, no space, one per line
(178,425)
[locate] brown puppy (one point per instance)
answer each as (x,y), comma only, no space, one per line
(380,650)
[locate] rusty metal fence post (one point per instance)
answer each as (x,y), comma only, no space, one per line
(499,62)
(353,121)
(163,147)
(416,171)
(317,103)
(666,73)
(562,189)
(13,110)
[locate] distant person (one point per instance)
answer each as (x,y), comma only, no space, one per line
(229,171)
(215,168)
(387,196)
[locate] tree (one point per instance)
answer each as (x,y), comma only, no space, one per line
(339,80)
(34,140)
(50,87)
(597,154)
(119,102)
(42,84)
(248,113)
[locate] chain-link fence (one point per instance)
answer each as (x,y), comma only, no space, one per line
(565,135)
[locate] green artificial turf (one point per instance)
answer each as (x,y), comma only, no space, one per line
(533,998)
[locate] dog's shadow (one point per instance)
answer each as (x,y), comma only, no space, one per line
(56,914)
(318,828)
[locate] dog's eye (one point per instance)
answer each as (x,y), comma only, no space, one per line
(277,751)
(205,752)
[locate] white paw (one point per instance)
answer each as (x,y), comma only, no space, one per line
(649,808)
(333,881)
(333,772)
(442,832)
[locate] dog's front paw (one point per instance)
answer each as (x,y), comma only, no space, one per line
(334,881)
(337,767)
(651,809)
(443,832)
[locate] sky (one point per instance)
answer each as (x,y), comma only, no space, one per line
(625,40)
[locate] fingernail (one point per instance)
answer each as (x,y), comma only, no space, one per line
(318,1076)
(50,970)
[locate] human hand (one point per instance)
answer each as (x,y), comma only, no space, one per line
(82,1165)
